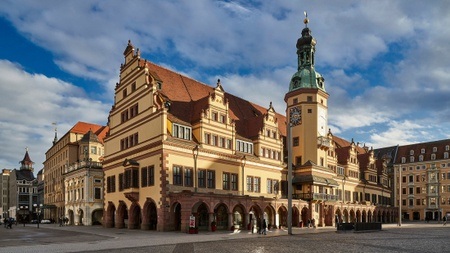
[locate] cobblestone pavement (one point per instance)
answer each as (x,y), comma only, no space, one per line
(412,237)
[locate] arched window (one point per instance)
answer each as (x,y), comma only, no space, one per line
(422,151)
(433,156)
(411,152)
(420,158)
(446,155)
(411,159)
(434,149)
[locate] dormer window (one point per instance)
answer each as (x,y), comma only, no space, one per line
(422,151)
(434,149)
(182,132)
(411,152)
(244,146)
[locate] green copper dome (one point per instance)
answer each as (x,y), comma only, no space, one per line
(306,76)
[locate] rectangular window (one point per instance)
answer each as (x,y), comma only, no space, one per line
(226,181)
(207,138)
(269,185)
(234,182)
(243,146)
(229,146)
(188,177)
(223,118)
(211,179)
(98,193)
(202,178)
(182,132)
(111,184)
(214,116)
(177,175)
(121,182)
(135,178)
(295,141)
(148,176)
(151,175)
(144,177)
(257,184)
(249,183)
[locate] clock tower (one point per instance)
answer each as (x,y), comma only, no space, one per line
(307,109)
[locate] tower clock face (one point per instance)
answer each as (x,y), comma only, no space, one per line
(295,115)
(322,121)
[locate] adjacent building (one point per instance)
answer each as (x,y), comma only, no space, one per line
(422,180)
(182,154)
(71,174)
(23,191)
(4,193)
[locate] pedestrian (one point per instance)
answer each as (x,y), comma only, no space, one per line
(313,222)
(309,223)
(5,221)
(264,227)
(445,220)
(10,222)
(61,221)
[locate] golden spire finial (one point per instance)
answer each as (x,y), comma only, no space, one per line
(306,20)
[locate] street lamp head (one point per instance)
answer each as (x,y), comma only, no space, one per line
(244,160)
(195,151)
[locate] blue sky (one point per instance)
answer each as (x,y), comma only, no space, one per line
(386,64)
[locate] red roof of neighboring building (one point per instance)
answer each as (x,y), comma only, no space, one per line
(83,128)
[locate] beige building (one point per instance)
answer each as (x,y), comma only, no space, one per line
(183,154)
(83,182)
(424,169)
(65,159)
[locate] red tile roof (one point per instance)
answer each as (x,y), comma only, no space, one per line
(189,98)
(83,128)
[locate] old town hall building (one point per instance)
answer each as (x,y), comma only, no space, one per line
(183,154)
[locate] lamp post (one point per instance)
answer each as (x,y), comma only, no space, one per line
(295,116)
(38,209)
(400,196)
(243,162)
(23,212)
(195,154)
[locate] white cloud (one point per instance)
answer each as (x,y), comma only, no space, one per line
(398,133)
(30,103)
(383,61)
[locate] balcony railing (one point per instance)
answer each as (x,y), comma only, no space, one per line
(316,196)
(323,142)
(81,165)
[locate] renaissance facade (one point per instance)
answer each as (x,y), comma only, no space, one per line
(182,154)
(73,175)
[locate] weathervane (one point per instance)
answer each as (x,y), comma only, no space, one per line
(306,20)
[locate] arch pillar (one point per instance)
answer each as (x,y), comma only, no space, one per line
(247,221)
(230,220)
(210,220)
